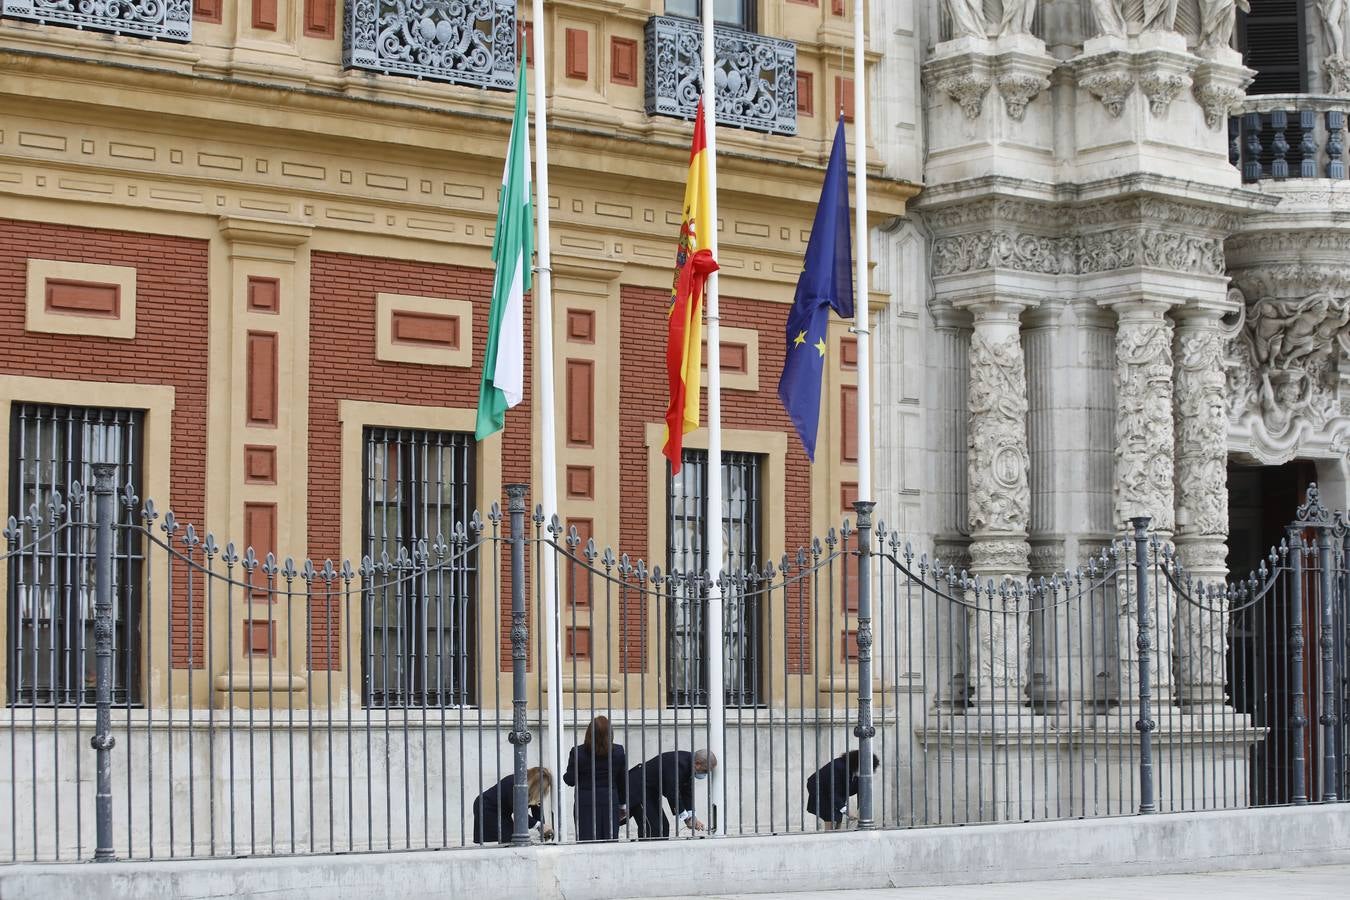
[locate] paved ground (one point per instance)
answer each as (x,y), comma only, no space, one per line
(1263,884)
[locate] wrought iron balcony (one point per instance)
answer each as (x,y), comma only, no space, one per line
(167,19)
(1289,136)
(756,76)
(469,42)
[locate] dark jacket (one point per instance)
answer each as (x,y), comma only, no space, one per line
(493,816)
(828,790)
(669,775)
(602,787)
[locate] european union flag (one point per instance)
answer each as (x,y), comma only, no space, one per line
(826,283)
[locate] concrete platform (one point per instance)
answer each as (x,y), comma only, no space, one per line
(1259,884)
(1285,838)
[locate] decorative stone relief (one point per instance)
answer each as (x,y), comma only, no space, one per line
(984,250)
(1161,88)
(1100,251)
(1284,362)
(1337,69)
(1107,17)
(1000,495)
(967,18)
(1217,20)
(967,89)
(1017,17)
(1018,89)
(1218,86)
(1160,15)
(1201,431)
(1202,645)
(1112,87)
(1335,65)
(1144,469)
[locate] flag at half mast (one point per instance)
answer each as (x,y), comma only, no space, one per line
(512,251)
(693,264)
(826,283)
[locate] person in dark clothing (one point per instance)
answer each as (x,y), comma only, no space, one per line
(493,810)
(828,790)
(598,769)
(670,775)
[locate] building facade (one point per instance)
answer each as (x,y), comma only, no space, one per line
(247,261)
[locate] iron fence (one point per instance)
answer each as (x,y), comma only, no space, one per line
(263,727)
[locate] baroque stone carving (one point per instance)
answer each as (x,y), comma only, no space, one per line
(1112,87)
(1018,89)
(999,646)
(1217,99)
(1161,88)
(1000,495)
(756,76)
(1201,433)
(1284,364)
(1107,17)
(171,20)
(967,18)
(1143,454)
(985,250)
(1160,15)
(967,89)
(468,42)
(1337,69)
(1100,251)
(1017,17)
(1217,19)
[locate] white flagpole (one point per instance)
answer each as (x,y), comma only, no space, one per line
(548,489)
(862,314)
(713,517)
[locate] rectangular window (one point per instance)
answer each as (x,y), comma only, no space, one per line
(51,582)
(420,620)
(737,13)
(686,554)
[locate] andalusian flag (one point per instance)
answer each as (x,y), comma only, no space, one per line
(512,251)
(693,264)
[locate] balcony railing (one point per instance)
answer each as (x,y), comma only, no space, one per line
(1284,136)
(756,76)
(469,42)
(167,19)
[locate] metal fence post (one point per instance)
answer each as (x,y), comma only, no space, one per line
(864,731)
(520,638)
(1298,715)
(102,741)
(1327,641)
(1145,724)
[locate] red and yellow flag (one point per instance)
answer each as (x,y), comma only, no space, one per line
(693,264)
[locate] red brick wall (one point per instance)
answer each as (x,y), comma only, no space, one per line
(643,395)
(343,367)
(170,348)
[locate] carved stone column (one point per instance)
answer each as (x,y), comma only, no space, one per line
(1201,502)
(1000,504)
(1144,472)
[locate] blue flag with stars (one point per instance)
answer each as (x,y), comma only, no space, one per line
(826,283)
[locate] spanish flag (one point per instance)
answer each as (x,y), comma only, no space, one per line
(693,264)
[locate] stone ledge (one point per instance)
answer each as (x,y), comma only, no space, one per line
(1135,845)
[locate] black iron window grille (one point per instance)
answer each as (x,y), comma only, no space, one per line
(686,554)
(51,583)
(420,618)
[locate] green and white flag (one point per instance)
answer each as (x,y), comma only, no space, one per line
(512,251)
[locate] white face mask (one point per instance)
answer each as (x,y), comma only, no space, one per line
(700,775)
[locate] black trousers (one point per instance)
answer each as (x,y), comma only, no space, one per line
(597,815)
(651,818)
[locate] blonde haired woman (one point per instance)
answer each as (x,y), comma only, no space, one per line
(493,818)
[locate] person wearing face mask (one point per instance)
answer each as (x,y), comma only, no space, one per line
(670,775)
